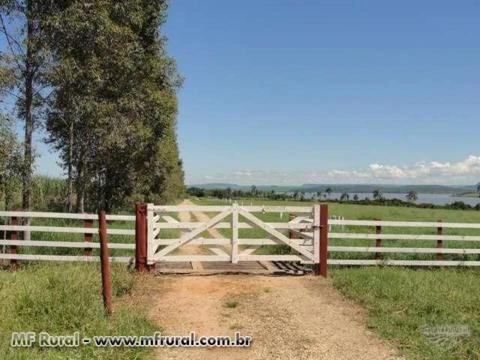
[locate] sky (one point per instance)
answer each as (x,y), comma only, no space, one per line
(312,91)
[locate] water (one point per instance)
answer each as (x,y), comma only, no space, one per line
(436,199)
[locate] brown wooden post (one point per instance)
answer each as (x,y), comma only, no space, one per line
(378,241)
(88,237)
(141,237)
(321,269)
(13,248)
(439,242)
(105,265)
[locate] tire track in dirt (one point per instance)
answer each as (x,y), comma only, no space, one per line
(288,317)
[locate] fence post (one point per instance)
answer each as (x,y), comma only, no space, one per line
(378,241)
(439,242)
(13,248)
(292,235)
(88,237)
(140,237)
(321,269)
(106,283)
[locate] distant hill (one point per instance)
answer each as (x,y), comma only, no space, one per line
(351,188)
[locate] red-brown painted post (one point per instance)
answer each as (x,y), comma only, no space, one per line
(88,237)
(105,265)
(321,269)
(141,237)
(378,241)
(13,248)
(439,242)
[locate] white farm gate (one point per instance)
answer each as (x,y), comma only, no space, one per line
(231,243)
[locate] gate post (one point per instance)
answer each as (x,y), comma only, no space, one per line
(141,237)
(321,269)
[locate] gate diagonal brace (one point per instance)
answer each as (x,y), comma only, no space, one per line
(277,234)
(191,235)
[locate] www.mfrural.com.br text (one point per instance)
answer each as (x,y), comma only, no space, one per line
(46,340)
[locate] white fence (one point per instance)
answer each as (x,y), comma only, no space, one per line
(380,248)
(87,230)
(302,235)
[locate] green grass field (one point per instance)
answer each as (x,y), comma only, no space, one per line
(400,301)
(63,298)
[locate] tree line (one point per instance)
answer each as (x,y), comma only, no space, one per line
(97,79)
(377,197)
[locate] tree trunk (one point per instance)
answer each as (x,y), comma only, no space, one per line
(27,156)
(70,169)
(80,185)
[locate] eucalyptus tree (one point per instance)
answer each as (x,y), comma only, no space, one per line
(25,60)
(113,113)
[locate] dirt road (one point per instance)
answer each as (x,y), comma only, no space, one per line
(288,317)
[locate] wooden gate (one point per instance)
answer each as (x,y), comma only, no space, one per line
(167,234)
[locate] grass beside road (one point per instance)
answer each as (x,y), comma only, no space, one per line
(401,301)
(64,298)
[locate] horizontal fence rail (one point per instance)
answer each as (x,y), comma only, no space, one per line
(416,224)
(213,208)
(14,249)
(54,215)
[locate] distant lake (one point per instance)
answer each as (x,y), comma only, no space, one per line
(436,199)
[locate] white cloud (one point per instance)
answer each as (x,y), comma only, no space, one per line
(433,172)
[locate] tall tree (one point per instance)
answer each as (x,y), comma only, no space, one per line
(113,113)
(25,59)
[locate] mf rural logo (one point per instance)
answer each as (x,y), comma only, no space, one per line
(445,336)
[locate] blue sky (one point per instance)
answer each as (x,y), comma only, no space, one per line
(292,91)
